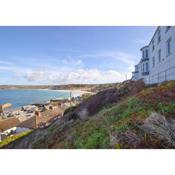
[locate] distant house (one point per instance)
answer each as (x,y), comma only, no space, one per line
(13,125)
(41,119)
(157,63)
(9,127)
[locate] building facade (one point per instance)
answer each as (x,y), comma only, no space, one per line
(157,63)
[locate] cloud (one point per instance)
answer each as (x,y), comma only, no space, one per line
(34,76)
(5,62)
(80,76)
(75,69)
(11,68)
(70,61)
(6,66)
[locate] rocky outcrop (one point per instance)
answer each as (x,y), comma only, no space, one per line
(155,132)
(6,105)
(158,126)
(128,139)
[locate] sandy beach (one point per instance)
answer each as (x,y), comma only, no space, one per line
(76,93)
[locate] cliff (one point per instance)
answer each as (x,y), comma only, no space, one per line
(129,115)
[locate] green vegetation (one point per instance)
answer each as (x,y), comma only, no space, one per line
(95,133)
(70,109)
(125,116)
(165,108)
(116,125)
(86,96)
(10,139)
(97,139)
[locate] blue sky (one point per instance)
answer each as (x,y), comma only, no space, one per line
(63,55)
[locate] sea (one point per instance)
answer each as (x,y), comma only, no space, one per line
(19,98)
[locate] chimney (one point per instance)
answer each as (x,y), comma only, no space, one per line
(37,115)
(1,109)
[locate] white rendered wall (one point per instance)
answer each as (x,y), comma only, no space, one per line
(165,69)
(166,62)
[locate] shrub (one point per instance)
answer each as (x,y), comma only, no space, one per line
(164,108)
(86,96)
(70,109)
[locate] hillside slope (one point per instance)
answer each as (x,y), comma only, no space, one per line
(130,116)
(86,87)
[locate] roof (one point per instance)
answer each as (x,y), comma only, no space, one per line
(144,47)
(29,123)
(48,116)
(45,117)
(6,124)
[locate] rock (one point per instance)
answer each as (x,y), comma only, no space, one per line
(127,139)
(158,126)
(83,114)
(114,139)
(6,105)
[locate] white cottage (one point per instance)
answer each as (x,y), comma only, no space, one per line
(158,57)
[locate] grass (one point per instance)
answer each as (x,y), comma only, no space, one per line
(118,118)
(10,139)
(97,139)
(121,117)
(166,109)
(126,115)
(95,133)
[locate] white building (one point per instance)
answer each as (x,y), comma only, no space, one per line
(158,57)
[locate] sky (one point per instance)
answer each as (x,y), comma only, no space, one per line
(69,55)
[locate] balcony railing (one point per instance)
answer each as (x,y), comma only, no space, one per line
(135,72)
(144,59)
(145,73)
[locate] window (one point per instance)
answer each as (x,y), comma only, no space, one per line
(146,67)
(152,45)
(159,55)
(142,67)
(146,53)
(159,36)
(143,54)
(168,47)
(136,68)
(153,61)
